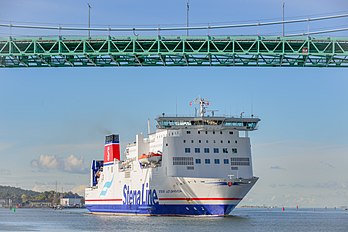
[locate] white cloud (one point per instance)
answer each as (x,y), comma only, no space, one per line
(74,164)
(49,162)
(70,164)
(46,162)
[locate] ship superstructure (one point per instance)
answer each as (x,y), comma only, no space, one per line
(198,165)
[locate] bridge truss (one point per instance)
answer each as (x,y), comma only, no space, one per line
(174,51)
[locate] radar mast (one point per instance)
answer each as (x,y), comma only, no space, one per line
(203,103)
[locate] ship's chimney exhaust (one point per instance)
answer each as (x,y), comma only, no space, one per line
(112,148)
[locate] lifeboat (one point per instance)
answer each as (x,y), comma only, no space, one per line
(143,159)
(155,157)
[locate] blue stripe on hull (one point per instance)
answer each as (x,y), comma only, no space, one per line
(188,209)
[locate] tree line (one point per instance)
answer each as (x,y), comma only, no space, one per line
(20,196)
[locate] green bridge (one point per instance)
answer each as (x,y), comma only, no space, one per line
(271,51)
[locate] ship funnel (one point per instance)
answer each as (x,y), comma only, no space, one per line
(112,148)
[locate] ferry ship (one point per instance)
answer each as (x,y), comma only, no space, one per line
(191,166)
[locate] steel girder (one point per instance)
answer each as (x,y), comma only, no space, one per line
(174,51)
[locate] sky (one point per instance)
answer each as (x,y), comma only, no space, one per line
(53,120)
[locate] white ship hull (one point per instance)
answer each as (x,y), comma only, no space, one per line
(155,194)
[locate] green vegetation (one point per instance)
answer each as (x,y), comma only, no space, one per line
(23,197)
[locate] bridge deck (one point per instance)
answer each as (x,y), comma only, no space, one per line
(174,51)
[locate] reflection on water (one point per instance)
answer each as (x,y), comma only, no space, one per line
(242,220)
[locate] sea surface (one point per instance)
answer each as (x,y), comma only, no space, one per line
(328,220)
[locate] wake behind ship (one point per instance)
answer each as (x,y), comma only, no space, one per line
(190,166)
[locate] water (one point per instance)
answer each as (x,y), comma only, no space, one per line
(257,220)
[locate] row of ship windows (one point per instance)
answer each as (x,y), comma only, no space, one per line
(235,161)
(189,132)
(206,132)
(207,150)
(207,141)
(216,161)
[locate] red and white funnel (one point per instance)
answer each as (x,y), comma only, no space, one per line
(112,148)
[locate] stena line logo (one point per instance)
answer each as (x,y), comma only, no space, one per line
(145,196)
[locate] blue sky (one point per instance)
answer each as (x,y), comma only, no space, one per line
(53,121)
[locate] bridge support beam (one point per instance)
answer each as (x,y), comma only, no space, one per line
(174,51)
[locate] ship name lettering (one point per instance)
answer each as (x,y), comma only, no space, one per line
(145,196)
(173,191)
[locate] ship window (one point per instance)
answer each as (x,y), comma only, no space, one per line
(225,161)
(166,144)
(187,150)
(234,150)
(206,132)
(184,141)
(199,132)
(216,150)
(206,141)
(224,150)
(206,150)
(197,150)
(199,141)
(222,141)
(214,141)
(228,141)
(182,160)
(191,141)
(213,132)
(234,168)
(235,141)
(220,132)
(190,168)
(207,161)
(188,132)
(231,132)
(198,161)
(216,161)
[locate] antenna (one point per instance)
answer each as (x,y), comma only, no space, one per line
(252,103)
(89,20)
(176,107)
(187,16)
(283,19)
(148,127)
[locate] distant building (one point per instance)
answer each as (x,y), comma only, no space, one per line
(40,204)
(71,201)
(2,203)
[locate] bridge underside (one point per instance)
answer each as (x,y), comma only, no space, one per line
(174,51)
